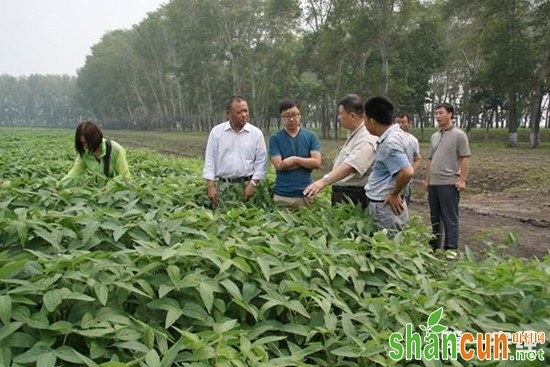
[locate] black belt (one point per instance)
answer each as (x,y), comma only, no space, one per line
(235,179)
(375,201)
(357,189)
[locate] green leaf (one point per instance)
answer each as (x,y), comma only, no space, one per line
(96,333)
(206,292)
(102,293)
(53,237)
(46,360)
(232,288)
(32,355)
(152,358)
(296,306)
(52,299)
(128,334)
(118,233)
(133,346)
(263,262)
(346,351)
(90,231)
(224,326)
(174,274)
(298,329)
(79,297)
(5,309)
(172,316)
(331,321)
(19,340)
(347,326)
(435,316)
(131,288)
(164,289)
(191,309)
(11,267)
(63,327)
(438,328)
(9,329)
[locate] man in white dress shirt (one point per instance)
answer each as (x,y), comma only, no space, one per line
(235,153)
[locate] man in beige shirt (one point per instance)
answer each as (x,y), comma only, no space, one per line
(349,172)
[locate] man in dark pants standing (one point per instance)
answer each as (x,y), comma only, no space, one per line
(446,176)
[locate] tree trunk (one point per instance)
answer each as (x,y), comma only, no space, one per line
(536,103)
(422,117)
(488,125)
(325,120)
(385,11)
(512,120)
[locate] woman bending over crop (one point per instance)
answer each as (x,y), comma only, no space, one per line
(96,154)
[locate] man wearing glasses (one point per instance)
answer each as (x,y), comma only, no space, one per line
(294,152)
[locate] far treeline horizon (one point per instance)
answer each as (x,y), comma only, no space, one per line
(175,69)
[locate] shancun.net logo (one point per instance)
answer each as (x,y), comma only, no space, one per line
(440,343)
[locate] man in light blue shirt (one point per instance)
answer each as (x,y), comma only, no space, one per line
(392,168)
(235,153)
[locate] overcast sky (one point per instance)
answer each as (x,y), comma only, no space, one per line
(54,36)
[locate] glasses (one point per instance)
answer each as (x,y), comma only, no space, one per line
(293,116)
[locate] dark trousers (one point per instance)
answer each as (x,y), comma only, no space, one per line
(343,194)
(443,200)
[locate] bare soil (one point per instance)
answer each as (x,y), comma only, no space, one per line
(491,217)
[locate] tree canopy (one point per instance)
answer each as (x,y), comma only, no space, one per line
(174,69)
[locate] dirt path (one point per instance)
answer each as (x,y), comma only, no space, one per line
(491,217)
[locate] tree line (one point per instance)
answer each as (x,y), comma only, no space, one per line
(174,70)
(39,100)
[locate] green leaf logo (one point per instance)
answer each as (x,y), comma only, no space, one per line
(435,317)
(433,325)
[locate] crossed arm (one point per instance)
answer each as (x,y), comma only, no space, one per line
(293,162)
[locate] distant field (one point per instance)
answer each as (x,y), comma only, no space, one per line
(494,167)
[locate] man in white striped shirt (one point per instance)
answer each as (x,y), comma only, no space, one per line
(235,153)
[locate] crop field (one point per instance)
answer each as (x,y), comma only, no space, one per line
(142,273)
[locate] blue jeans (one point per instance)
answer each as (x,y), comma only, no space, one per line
(443,200)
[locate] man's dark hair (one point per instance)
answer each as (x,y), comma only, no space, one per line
(91,133)
(379,109)
(353,103)
(448,107)
(287,103)
(402,115)
(232,99)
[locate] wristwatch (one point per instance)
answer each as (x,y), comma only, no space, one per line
(327,179)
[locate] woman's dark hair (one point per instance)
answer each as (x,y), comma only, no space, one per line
(91,133)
